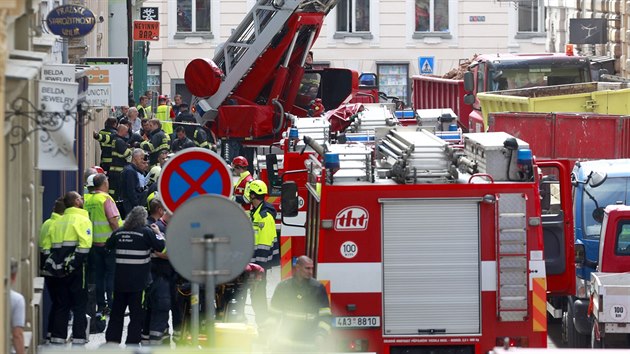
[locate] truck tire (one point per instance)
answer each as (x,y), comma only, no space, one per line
(573,338)
(596,344)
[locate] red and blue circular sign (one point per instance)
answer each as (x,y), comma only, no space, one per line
(193,172)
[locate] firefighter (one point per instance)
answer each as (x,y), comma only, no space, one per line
(105,137)
(300,310)
(105,217)
(239,169)
(158,141)
(133,244)
(120,153)
(71,243)
(263,216)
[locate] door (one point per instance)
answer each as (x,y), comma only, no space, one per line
(431,278)
(393,80)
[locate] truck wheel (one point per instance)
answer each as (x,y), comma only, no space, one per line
(573,338)
(596,344)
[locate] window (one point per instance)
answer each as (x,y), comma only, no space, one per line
(622,248)
(193,16)
(432,16)
(353,16)
(531,16)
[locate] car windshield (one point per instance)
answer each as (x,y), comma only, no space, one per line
(517,78)
(613,191)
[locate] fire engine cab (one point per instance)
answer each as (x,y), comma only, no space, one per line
(426,246)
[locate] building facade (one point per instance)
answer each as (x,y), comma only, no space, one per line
(388,37)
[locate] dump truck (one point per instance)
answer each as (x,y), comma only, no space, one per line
(594,97)
(494,72)
(572,136)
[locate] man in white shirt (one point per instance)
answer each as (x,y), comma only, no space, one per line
(18,314)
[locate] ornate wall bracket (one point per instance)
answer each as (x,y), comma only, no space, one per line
(46,122)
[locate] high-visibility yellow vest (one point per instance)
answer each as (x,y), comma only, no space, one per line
(100,225)
(163,114)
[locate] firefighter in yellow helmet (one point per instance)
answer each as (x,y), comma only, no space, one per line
(263,216)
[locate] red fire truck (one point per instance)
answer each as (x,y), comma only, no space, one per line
(416,253)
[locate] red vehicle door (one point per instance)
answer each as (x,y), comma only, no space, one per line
(557,223)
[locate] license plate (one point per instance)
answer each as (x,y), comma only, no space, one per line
(357,322)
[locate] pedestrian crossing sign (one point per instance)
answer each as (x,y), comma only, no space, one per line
(426,65)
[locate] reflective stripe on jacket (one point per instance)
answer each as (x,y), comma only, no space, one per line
(71,242)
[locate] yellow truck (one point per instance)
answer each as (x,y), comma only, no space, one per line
(593,97)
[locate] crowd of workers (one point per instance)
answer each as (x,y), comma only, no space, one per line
(103,251)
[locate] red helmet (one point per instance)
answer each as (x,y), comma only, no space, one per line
(240,161)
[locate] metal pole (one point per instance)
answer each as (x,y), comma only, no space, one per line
(210,284)
(194,301)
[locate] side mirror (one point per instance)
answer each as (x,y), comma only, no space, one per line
(469,81)
(580,253)
(469,98)
(596,179)
(598,214)
(289,199)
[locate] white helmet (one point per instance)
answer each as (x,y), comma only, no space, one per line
(154,174)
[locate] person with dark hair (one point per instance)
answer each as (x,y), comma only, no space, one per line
(158,142)
(70,246)
(132,244)
(181,142)
(105,218)
(45,244)
(144,107)
(300,311)
(105,138)
(177,103)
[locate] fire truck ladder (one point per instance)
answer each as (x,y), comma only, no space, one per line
(248,41)
(512,258)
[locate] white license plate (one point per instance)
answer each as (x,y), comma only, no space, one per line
(357,322)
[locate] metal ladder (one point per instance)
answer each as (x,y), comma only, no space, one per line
(248,41)
(512,258)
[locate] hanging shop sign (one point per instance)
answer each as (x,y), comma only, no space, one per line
(70,21)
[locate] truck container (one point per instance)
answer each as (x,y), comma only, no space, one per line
(591,135)
(497,72)
(594,97)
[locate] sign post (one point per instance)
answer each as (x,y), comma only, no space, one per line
(220,245)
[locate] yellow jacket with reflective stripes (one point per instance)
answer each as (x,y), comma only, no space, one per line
(45,238)
(264,222)
(95,206)
(71,242)
(163,114)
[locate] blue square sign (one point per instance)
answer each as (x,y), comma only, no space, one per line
(426,65)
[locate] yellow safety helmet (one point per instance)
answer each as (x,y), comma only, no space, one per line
(257,187)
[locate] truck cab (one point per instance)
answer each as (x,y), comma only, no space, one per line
(591,198)
(609,284)
(500,72)
(596,185)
